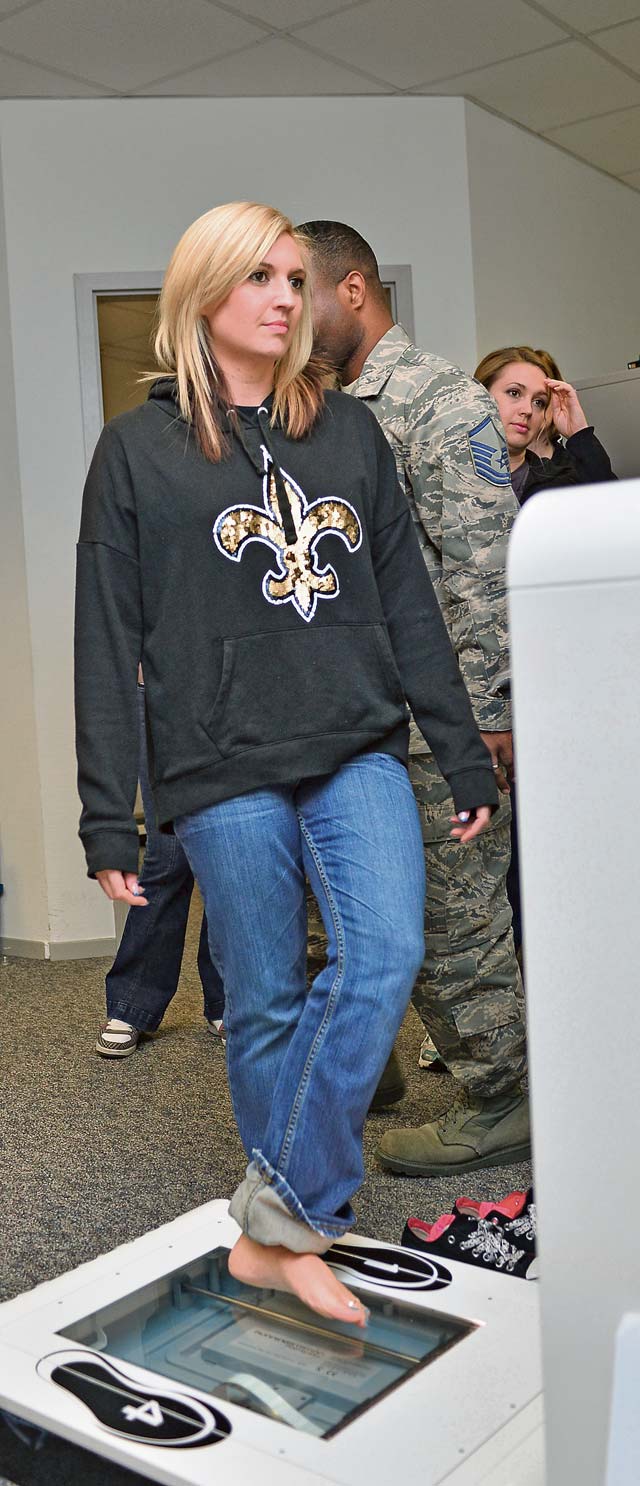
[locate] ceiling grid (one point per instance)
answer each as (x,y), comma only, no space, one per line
(567,70)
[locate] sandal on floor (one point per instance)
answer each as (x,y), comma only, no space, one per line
(117,1039)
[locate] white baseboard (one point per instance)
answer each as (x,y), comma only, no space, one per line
(70,949)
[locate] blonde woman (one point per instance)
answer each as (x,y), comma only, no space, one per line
(244,535)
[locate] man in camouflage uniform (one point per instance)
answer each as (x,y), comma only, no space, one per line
(453,465)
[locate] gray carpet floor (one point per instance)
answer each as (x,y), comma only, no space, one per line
(97,1151)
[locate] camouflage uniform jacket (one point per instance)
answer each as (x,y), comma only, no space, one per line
(452,463)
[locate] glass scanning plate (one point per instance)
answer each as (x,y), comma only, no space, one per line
(264,1350)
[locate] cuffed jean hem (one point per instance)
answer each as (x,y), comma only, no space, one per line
(268,1211)
(128,1011)
(145,1021)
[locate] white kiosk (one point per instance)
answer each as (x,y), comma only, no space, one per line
(574,575)
(153,1356)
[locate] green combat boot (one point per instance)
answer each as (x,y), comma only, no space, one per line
(392,1085)
(472,1134)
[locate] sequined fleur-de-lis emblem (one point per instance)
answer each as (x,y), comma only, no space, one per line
(299,579)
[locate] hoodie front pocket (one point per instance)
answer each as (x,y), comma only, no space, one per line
(389,662)
(224,687)
(278,687)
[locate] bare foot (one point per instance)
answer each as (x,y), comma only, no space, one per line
(304,1275)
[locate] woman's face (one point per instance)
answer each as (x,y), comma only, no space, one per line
(259,316)
(521,393)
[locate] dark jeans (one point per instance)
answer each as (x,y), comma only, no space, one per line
(144,976)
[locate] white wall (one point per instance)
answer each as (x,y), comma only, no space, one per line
(24,902)
(555,251)
(110,185)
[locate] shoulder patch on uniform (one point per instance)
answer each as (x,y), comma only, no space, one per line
(489,452)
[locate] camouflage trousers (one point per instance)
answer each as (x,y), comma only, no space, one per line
(469,992)
(316,939)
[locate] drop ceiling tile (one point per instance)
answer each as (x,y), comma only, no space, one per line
(587,15)
(612,142)
(8,5)
(274,68)
(286,13)
(623,43)
(410,42)
(23,80)
(126,43)
(549,88)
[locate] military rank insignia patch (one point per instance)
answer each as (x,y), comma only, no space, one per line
(489,452)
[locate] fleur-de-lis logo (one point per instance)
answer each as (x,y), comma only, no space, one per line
(299,579)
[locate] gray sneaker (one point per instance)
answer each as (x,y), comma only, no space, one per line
(117,1039)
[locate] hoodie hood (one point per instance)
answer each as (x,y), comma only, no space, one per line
(164,392)
(243,425)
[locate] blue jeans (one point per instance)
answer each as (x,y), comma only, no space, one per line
(303,1067)
(144,976)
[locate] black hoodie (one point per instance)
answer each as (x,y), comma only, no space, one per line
(280,606)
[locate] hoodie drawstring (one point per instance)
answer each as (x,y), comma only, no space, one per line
(282,498)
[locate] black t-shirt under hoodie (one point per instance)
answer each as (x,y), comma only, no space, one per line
(280,606)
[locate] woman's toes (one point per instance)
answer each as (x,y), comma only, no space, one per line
(304,1275)
(316,1284)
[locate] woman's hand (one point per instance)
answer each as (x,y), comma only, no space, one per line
(566,410)
(469,823)
(122,887)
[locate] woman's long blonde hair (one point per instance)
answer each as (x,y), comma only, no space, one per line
(218,251)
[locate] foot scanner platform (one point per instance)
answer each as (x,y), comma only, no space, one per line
(153,1356)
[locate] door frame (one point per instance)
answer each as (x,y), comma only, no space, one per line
(89,287)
